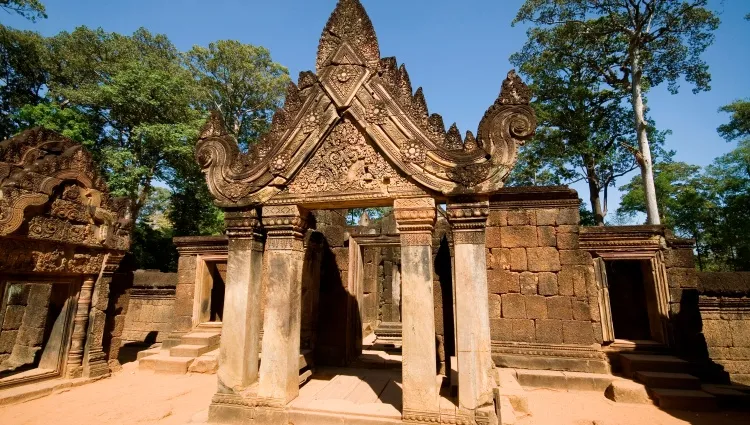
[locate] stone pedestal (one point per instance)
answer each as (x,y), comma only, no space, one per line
(416,219)
(473,348)
(279,370)
(240,338)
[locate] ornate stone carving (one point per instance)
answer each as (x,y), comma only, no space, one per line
(349,22)
(415,216)
(346,163)
(43,169)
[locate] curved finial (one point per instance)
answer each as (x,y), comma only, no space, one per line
(214,126)
(514,91)
(349,22)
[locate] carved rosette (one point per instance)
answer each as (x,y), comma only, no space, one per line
(285,227)
(413,152)
(415,219)
(468,221)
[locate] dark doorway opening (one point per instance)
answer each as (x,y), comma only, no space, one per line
(628,299)
(218,274)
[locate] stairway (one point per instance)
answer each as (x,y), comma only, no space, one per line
(197,350)
(668,381)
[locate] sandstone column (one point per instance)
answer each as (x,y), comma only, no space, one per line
(240,334)
(416,219)
(279,368)
(94,358)
(80,322)
(473,349)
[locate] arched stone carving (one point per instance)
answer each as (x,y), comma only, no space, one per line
(50,191)
(354,85)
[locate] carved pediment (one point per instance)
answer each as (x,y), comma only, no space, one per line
(50,190)
(355,89)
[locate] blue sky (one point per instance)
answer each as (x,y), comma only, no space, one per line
(456,50)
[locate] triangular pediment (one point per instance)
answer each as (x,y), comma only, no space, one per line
(347,167)
(409,149)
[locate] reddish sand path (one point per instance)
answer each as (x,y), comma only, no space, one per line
(585,408)
(129,397)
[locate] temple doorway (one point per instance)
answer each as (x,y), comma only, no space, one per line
(633,300)
(37,319)
(209,301)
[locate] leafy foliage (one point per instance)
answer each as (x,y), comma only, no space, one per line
(29,9)
(739,123)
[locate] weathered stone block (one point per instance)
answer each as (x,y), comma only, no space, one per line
(581,310)
(342,258)
(495,301)
(567,240)
(186,266)
(518,262)
(568,229)
(513,306)
(493,237)
(577,332)
(13,317)
(521,218)
(501,258)
(549,331)
(518,236)
(568,216)
(30,336)
(559,308)
(679,258)
(498,218)
(572,281)
(543,259)
(35,317)
(598,333)
(503,282)
(7,341)
(18,294)
(626,391)
(682,277)
(522,330)
(536,307)
(575,257)
(547,283)
(717,333)
(546,236)
(528,283)
(501,329)
(740,330)
(546,217)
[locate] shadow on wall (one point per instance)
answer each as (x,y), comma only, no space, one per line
(444,274)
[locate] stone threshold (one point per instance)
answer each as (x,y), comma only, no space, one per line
(41,389)
(560,380)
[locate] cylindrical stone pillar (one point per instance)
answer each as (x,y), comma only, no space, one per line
(279,369)
(80,323)
(240,334)
(473,348)
(416,219)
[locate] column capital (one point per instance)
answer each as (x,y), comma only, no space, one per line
(415,219)
(243,224)
(468,221)
(285,226)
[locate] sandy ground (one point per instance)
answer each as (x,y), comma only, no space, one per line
(583,408)
(129,397)
(135,397)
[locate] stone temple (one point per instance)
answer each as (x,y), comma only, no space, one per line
(437,312)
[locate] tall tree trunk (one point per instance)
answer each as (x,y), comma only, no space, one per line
(594,196)
(647,166)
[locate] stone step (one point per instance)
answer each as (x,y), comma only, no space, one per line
(211,339)
(150,352)
(166,364)
(728,396)
(693,400)
(207,363)
(632,363)
(189,350)
(681,381)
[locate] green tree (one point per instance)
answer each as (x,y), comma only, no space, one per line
(23,75)
(585,133)
(739,122)
(137,95)
(631,46)
(29,9)
(686,205)
(242,82)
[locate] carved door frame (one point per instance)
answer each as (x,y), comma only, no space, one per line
(202,291)
(655,285)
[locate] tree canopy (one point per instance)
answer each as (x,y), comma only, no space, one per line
(29,9)
(629,46)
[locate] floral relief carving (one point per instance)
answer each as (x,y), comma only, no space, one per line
(413,152)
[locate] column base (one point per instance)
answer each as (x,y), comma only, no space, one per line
(569,358)
(231,409)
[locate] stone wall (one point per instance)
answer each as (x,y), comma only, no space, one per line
(24,321)
(151,307)
(542,292)
(724,304)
